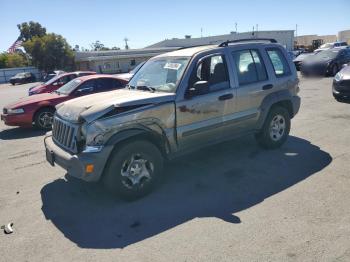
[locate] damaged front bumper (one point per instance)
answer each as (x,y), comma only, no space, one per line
(87,165)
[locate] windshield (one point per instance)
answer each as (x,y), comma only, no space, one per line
(52,80)
(160,74)
(20,75)
(136,68)
(326,45)
(327,54)
(69,87)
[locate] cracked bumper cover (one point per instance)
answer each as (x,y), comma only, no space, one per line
(76,164)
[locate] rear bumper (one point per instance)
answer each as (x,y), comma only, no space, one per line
(17,120)
(76,164)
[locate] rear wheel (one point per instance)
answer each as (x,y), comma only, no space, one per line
(44,118)
(275,129)
(134,169)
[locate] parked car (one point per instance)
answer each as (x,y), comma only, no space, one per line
(326,63)
(177,102)
(299,59)
(38,110)
(52,74)
(327,46)
(341,84)
(56,82)
(23,78)
(128,76)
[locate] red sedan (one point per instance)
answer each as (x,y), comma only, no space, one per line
(38,110)
(56,82)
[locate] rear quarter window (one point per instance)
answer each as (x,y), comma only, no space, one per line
(279,62)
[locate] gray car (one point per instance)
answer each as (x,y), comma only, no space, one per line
(176,103)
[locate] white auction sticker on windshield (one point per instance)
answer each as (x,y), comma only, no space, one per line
(174,66)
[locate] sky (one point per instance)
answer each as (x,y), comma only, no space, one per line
(147,22)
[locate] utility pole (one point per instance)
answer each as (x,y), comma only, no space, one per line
(296,34)
(236,27)
(126,43)
(257,30)
(201,32)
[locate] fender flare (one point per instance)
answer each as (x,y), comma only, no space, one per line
(269,101)
(158,139)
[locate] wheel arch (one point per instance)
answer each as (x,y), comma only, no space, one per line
(41,108)
(159,140)
(282,99)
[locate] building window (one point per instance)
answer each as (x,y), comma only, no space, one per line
(107,66)
(133,62)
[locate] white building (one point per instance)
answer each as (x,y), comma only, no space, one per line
(285,37)
(115,61)
(344,36)
(120,61)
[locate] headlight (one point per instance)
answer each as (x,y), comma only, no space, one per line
(339,76)
(15,111)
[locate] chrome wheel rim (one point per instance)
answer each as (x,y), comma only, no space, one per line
(277,127)
(46,119)
(136,171)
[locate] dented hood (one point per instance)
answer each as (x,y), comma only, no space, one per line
(91,107)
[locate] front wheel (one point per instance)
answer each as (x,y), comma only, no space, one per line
(44,118)
(275,129)
(133,169)
(334,70)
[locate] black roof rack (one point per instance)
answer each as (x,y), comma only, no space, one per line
(271,40)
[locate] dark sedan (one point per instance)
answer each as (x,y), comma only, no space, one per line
(341,84)
(22,78)
(326,63)
(299,59)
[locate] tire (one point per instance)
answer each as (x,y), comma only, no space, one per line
(276,128)
(41,118)
(123,174)
(335,70)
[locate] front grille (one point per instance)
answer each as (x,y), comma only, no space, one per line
(64,134)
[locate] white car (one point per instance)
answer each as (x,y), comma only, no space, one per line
(327,46)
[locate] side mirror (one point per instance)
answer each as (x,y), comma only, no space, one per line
(83,91)
(198,88)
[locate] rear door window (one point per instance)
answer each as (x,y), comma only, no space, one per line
(250,68)
(279,62)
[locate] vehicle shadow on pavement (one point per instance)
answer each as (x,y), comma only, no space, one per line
(20,133)
(215,182)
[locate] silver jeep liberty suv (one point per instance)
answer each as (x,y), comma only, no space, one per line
(176,103)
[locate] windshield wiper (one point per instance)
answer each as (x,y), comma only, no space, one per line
(152,89)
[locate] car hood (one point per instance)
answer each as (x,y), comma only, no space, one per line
(317,60)
(346,71)
(91,107)
(37,87)
(25,101)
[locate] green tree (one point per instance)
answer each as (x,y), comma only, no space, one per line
(12,60)
(98,46)
(30,30)
(50,52)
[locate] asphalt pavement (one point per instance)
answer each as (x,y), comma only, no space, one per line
(229,202)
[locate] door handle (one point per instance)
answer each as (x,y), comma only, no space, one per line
(267,87)
(225,97)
